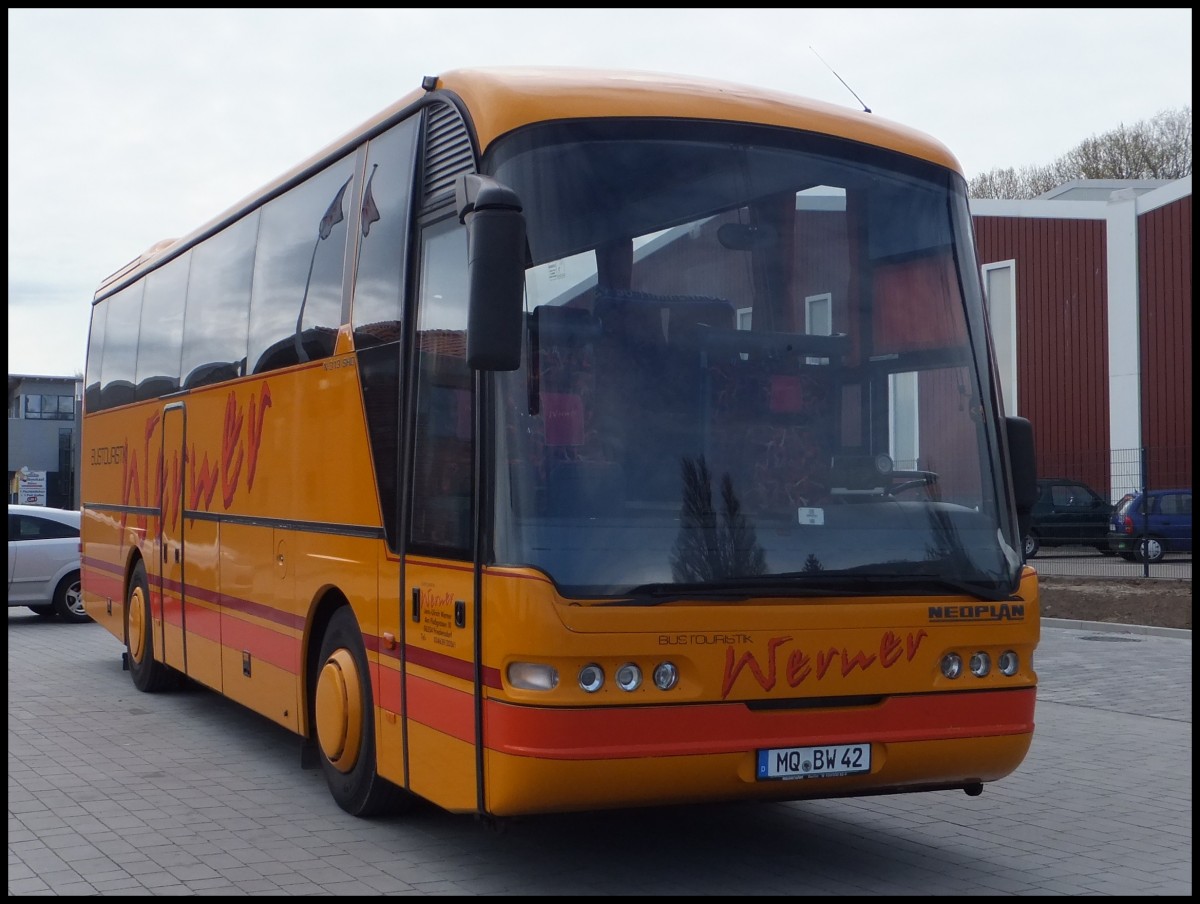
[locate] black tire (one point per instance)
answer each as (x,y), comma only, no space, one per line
(1032,545)
(68,600)
(149,675)
(343,720)
(1151,550)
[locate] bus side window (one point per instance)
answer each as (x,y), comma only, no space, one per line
(296,307)
(443,447)
(118,368)
(214,322)
(160,341)
(377,312)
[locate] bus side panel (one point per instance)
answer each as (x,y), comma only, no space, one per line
(453,786)
(330,569)
(103,573)
(439,681)
(260,660)
(113,473)
(389,705)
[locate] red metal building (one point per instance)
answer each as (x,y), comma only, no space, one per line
(1090,298)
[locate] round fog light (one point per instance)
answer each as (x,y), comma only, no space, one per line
(666,676)
(951,665)
(1009,663)
(591,678)
(981,664)
(629,677)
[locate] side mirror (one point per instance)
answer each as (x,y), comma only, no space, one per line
(1023,468)
(496,266)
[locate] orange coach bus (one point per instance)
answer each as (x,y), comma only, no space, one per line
(562,440)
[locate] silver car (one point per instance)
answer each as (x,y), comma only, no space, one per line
(43,562)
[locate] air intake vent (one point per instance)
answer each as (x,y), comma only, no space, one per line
(447,153)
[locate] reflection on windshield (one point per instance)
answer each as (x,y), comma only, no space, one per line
(744,361)
(713,546)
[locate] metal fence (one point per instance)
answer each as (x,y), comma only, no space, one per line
(1115,474)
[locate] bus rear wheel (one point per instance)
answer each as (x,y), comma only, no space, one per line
(343,713)
(148,674)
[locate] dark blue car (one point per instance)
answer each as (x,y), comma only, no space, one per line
(1147,526)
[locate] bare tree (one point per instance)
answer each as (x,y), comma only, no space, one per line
(1157,148)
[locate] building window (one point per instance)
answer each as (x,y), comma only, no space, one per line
(49,408)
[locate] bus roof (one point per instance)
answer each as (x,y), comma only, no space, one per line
(502,99)
(499,100)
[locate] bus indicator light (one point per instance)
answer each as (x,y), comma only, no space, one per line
(532,676)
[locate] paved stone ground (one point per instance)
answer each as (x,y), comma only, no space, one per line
(113,792)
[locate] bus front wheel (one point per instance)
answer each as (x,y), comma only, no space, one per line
(343,713)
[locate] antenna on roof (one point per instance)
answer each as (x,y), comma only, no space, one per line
(866,109)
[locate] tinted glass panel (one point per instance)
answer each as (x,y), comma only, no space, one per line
(161,338)
(214,325)
(117,371)
(95,355)
(444,430)
(379,302)
(680,418)
(379,284)
(297,303)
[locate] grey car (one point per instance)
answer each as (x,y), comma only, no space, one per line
(43,561)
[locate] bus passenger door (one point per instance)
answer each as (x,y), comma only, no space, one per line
(438,594)
(166,575)
(183,621)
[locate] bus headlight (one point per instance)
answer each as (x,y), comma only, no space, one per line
(532,676)
(981,664)
(666,676)
(591,678)
(1008,663)
(951,665)
(629,677)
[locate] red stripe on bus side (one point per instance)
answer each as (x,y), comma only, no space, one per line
(449,665)
(223,625)
(442,708)
(584,734)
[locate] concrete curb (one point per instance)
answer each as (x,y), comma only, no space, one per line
(1076,624)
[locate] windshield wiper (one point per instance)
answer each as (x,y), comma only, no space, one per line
(852,582)
(906,576)
(731,591)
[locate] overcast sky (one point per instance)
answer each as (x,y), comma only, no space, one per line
(129,126)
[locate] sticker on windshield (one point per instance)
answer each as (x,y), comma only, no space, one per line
(811,515)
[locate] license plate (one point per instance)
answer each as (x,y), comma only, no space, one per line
(827,761)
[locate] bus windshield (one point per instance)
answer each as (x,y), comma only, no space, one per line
(754,366)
